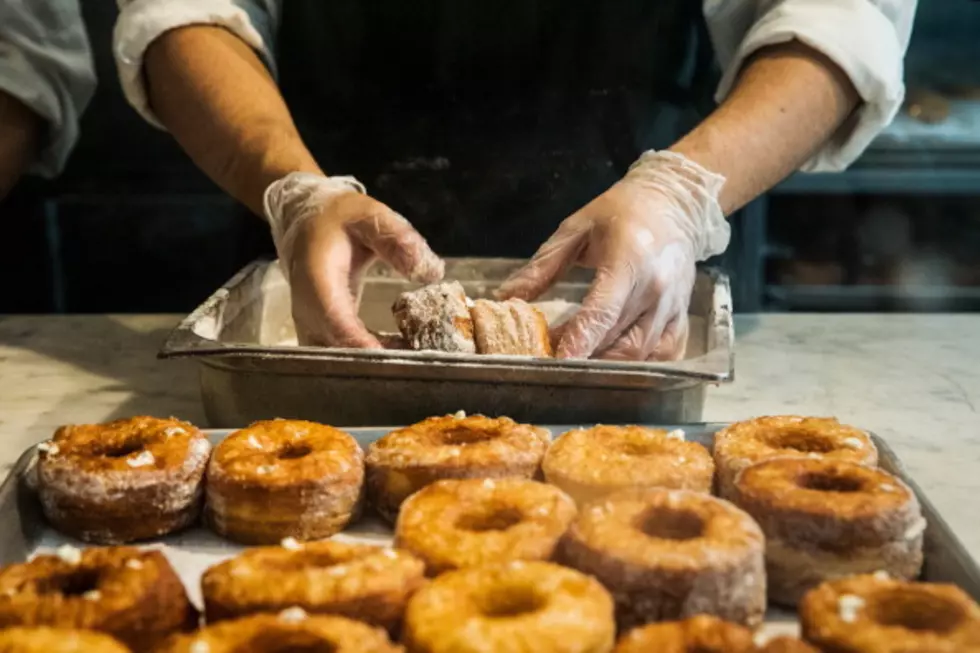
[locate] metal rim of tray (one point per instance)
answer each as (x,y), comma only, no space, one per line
(716,365)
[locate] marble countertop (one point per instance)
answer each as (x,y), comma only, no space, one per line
(913,379)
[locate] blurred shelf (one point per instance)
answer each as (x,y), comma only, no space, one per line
(874,298)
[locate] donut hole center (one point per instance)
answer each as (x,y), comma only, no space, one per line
(122,449)
(461,435)
(823,482)
(802,441)
(917,611)
(294,451)
(665,524)
(75,583)
(509,602)
(494,520)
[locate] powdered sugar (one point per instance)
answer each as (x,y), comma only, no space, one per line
(915,530)
(199,646)
(292,615)
(848,606)
(69,554)
(48,447)
(291,544)
(144,459)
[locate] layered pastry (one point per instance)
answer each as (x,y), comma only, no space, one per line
(826,519)
(284,478)
(127,480)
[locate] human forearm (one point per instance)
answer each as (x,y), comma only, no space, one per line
(19,131)
(788,101)
(212,92)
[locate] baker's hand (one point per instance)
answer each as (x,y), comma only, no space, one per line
(327,231)
(643,237)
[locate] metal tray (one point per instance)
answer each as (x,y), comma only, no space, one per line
(24,532)
(251,368)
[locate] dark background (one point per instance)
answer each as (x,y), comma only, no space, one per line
(132,226)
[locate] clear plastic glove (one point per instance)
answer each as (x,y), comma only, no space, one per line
(643,237)
(327,231)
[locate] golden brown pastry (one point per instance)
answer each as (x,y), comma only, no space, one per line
(743,443)
(590,463)
(827,519)
(470,522)
(454,446)
(57,640)
(511,328)
(518,606)
(437,318)
(358,581)
(290,630)
(127,480)
(876,614)
(700,634)
(670,554)
(284,478)
(130,594)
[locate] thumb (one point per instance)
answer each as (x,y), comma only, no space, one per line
(397,243)
(551,260)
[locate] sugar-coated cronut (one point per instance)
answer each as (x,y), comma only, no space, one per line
(525,606)
(876,614)
(743,443)
(130,594)
(358,581)
(455,446)
(590,463)
(123,481)
(437,318)
(826,519)
(290,630)
(670,554)
(453,523)
(511,328)
(284,478)
(43,639)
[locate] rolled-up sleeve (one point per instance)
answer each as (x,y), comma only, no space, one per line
(141,22)
(46,63)
(867,39)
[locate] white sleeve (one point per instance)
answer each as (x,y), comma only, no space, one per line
(866,38)
(46,63)
(141,22)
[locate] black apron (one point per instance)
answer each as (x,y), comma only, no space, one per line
(487,123)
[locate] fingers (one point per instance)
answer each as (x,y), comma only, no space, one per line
(656,336)
(324,309)
(600,313)
(551,260)
(396,242)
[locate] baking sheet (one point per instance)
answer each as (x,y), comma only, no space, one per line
(25,534)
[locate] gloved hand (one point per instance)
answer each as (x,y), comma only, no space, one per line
(327,231)
(642,237)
